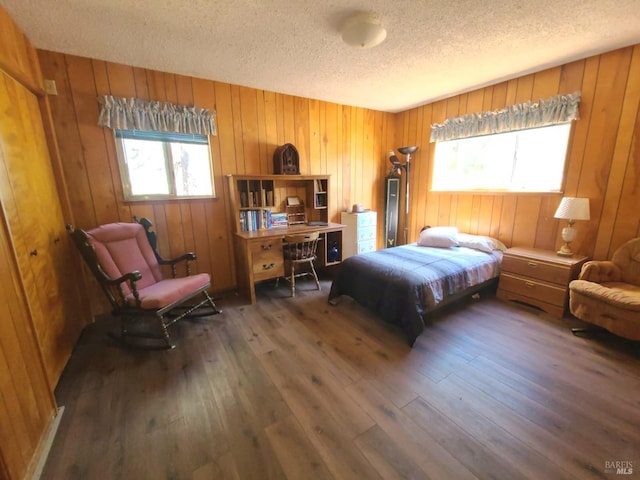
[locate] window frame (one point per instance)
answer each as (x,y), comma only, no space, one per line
(166,138)
(493,191)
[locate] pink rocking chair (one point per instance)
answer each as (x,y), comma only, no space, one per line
(128,269)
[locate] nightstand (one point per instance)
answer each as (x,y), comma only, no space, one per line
(360,234)
(538,277)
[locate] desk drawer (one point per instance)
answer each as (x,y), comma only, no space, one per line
(266,258)
(542,291)
(536,269)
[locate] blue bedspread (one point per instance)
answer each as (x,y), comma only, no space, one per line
(402,284)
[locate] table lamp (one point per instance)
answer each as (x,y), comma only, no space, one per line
(571,209)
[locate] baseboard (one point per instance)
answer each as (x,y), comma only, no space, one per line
(46,445)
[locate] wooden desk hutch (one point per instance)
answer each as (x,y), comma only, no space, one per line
(254,200)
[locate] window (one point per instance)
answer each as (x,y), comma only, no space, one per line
(159,165)
(529,160)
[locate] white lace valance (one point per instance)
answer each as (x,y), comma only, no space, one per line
(136,114)
(551,111)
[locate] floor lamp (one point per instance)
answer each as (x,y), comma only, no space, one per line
(406,151)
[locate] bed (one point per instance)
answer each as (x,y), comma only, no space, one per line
(403,284)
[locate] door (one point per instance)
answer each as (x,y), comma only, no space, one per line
(36,226)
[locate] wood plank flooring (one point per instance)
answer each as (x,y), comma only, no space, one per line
(298,389)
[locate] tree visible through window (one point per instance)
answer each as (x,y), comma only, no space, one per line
(529,160)
(156,165)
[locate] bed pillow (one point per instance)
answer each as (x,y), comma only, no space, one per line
(480,242)
(442,237)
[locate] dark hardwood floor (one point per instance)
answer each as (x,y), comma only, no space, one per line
(298,389)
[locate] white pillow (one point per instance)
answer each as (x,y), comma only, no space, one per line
(480,242)
(442,237)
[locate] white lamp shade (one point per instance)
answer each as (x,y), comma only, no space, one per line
(572,208)
(363,30)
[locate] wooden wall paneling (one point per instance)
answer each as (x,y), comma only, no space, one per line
(524,230)
(416,169)
(581,126)
(524,89)
(603,125)
(460,211)
(507,218)
(333,116)
(122,210)
(379,152)
(423,170)
(225,127)
(345,145)
(68,137)
(359,169)
(315,138)
(236,116)
(301,128)
(475,100)
(249,129)
(271,129)
(322,137)
(547,225)
(140,81)
(496,215)
(546,84)
(93,138)
(289,120)
(175,229)
(512,91)
(487,99)
(156,86)
(263,157)
(498,99)
(171,92)
(485,214)
(627,218)
(217,220)
(184,89)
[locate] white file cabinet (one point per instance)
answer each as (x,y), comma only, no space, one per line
(360,234)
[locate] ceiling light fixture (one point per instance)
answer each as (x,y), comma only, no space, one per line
(363,30)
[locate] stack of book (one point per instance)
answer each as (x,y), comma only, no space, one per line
(279,220)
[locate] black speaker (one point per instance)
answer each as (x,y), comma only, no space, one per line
(391,210)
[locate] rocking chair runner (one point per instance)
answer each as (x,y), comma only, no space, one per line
(128,270)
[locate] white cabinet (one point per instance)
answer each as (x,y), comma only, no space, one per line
(360,234)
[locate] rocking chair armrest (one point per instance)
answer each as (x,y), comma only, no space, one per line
(133,276)
(187,256)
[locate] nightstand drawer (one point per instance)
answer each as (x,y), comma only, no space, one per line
(367,246)
(366,233)
(541,291)
(366,218)
(537,269)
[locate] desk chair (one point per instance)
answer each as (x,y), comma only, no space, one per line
(298,250)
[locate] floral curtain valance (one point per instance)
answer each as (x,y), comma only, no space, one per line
(551,111)
(137,114)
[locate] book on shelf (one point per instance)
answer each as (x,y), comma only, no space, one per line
(252,220)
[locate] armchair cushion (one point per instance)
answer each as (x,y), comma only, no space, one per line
(600,271)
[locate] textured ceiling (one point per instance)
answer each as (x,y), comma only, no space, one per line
(434,48)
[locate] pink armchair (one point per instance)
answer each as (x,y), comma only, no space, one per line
(607,293)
